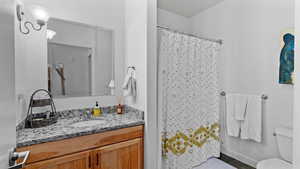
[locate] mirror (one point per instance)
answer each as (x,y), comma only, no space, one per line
(80,59)
(68,56)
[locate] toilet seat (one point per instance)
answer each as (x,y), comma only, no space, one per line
(274,164)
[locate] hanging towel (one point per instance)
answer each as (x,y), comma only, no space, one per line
(232,125)
(129,86)
(133,87)
(126,81)
(240,106)
(251,127)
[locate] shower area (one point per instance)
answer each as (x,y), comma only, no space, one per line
(209,52)
(188,83)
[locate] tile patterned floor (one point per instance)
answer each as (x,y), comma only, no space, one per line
(234,162)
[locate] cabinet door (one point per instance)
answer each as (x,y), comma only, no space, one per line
(125,155)
(74,161)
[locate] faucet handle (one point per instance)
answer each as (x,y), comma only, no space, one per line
(89,113)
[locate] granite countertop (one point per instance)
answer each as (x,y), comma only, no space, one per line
(64,129)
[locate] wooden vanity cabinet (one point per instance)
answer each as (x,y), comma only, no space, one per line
(75,161)
(121,152)
(126,155)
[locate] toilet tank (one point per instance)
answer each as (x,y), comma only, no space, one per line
(284,138)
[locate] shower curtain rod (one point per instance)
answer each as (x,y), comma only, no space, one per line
(212,40)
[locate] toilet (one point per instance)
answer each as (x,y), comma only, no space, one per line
(284,137)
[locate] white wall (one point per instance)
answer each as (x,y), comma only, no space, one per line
(151,118)
(105,13)
(30,64)
(173,21)
(136,41)
(136,47)
(249,63)
(297,91)
(103,63)
(72,33)
(7,88)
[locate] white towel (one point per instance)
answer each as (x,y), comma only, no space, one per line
(251,127)
(129,87)
(240,106)
(233,126)
(133,87)
(126,81)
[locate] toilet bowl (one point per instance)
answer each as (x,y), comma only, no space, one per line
(274,164)
(284,137)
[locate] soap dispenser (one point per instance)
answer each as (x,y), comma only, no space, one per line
(96,110)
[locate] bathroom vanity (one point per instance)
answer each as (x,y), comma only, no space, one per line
(79,61)
(116,143)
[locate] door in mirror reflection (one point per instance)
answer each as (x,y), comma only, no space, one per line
(69,69)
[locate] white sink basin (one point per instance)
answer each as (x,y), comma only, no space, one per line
(88,123)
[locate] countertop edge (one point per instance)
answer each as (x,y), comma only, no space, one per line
(79,134)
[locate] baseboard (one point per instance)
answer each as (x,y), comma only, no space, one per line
(244,159)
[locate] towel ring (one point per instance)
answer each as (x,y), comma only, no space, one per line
(130,67)
(133,70)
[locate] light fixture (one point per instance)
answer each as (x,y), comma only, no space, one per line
(50,34)
(39,14)
(112,87)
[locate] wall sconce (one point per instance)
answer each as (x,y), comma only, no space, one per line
(39,14)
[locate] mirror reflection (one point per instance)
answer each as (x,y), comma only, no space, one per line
(80,59)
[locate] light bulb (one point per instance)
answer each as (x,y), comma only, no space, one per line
(40,14)
(111,84)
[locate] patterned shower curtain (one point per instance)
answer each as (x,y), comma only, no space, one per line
(188,100)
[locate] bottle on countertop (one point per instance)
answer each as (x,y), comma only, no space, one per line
(96,110)
(119,109)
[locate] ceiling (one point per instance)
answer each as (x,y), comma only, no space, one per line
(187,8)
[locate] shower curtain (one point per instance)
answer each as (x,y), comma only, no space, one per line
(188,100)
